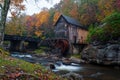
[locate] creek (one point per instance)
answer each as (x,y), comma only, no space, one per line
(88,71)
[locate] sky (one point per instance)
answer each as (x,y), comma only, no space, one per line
(35,7)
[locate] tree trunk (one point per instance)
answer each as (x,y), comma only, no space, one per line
(4,12)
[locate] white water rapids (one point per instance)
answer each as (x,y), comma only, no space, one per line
(73,67)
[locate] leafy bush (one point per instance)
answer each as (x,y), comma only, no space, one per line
(113,25)
(96,34)
(109,31)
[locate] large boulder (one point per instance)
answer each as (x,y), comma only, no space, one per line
(112,53)
(105,54)
(89,53)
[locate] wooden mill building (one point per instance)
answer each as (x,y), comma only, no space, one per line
(69,28)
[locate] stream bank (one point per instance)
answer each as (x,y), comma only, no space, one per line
(18,69)
(66,67)
(102,53)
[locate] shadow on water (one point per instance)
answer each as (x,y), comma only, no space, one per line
(89,72)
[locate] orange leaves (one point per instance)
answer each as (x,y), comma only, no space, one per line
(42,18)
(31,21)
(16,1)
(56,16)
(35,22)
(38,33)
(16,7)
(106,7)
(74,11)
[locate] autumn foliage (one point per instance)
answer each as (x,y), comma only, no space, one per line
(109,31)
(87,12)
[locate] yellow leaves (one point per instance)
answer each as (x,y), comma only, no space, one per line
(11,29)
(16,26)
(35,22)
(106,7)
(38,33)
(42,17)
(100,17)
(56,16)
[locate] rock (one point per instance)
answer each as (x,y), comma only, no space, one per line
(107,54)
(52,66)
(89,53)
(96,74)
(112,52)
(72,76)
(76,60)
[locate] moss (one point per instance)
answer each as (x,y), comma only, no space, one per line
(13,65)
(40,51)
(76,56)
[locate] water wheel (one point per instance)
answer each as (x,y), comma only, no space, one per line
(62,45)
(57,46)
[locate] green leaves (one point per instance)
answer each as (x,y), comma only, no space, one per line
(113,19)
(109,31)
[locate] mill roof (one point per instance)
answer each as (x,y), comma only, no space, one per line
(72,21)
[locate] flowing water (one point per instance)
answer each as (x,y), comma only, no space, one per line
(59,66)
(88,71)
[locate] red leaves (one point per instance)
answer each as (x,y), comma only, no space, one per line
(118,4)
(13,75)
(35,22)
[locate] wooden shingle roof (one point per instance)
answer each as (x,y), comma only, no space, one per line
(71,21)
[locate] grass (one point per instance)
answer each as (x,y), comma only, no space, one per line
(11,65)
(76,56)
(41,51)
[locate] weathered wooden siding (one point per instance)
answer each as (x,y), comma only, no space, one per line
(61,29)
(82,36)
(75,34)
(72,33)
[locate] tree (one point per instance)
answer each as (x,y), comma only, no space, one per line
(36,21)
(106,8)
(5,5)
(113,25)
(88,10)
(16,26)
(30,22)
